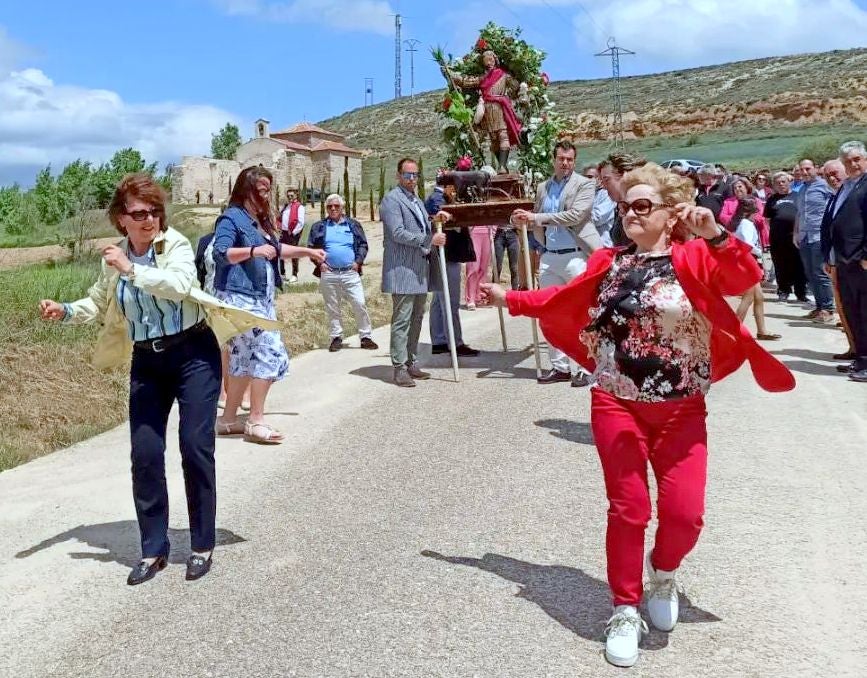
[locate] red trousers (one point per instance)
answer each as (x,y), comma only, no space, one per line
(671,435)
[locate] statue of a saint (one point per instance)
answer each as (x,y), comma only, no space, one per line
(495,113)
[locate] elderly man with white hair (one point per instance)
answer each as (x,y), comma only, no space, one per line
(345,247)
(844,245)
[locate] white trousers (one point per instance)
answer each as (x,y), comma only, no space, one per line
(559,269)
(336,286)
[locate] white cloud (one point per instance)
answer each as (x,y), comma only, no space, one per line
(375,16)
(685,33)
(42,122)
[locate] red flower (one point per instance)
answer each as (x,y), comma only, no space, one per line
(447,103)
(545,79)
(482,44)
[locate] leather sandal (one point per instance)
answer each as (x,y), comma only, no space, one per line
(768,337)
(263,434)
(230,428)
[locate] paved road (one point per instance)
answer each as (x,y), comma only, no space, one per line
(452,530)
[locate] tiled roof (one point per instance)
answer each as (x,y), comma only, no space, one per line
(307,127)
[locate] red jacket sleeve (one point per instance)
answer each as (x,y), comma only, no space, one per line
(731,269)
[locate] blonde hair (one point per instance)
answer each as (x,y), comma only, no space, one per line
(672,188)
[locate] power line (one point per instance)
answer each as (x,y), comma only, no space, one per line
(412,42)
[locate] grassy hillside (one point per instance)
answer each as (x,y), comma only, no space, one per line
(751,113)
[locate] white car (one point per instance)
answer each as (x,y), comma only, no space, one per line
(684,164)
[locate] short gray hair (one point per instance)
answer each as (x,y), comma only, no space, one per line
(850,146)
(708,170)
(781,173)
(335,197)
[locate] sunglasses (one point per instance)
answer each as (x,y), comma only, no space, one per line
(142,215)
(409,175)
(641,207)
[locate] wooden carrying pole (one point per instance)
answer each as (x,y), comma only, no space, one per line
(448,306)
(495,278)
(525,241)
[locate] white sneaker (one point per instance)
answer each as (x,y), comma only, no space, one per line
(622,635)
(663,605)
(293,279)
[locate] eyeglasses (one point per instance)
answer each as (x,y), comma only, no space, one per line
(641,207)
(409,175)
(333,206)
(142,215)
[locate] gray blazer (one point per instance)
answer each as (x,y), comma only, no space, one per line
(408,264)
(576,206)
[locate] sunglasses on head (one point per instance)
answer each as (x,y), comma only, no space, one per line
(142,215)
(641,207)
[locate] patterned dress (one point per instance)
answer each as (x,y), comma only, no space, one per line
(258,353)
(649,342)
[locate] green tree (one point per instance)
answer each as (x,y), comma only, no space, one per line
(346,192)
(420,179)
(49,206)
(304,195)
(372,213)
(354,202)
(322,198)
(108,175)
(381,181)
(225,142)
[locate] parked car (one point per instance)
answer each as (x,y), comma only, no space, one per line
(683,163)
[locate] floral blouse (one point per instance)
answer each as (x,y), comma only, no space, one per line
(648,341)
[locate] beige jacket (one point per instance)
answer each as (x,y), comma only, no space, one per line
(576,204)
(173,278)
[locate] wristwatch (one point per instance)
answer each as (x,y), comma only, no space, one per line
(719,238)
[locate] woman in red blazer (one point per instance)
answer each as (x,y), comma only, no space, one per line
(649,321)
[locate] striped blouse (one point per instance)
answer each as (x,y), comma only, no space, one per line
(149,317)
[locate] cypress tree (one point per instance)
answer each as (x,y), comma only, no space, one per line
(354,202)
(372,215)
(322,199)
(381,181)
(420,179)
(346,193)
(304,190)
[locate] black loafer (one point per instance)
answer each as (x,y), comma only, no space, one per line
(846,369)
(145,571)
(553,377)
(580,380)
(369,344)
(439,348)
(336,344)
(198,566)
(465,350)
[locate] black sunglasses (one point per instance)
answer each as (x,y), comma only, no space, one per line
(142,215)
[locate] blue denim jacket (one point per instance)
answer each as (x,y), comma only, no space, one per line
(236,228)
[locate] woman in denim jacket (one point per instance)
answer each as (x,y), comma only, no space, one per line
(246,252)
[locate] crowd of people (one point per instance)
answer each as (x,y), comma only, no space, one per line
(635,270)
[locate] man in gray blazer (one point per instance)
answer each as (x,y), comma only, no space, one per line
(561,220)
(409,268)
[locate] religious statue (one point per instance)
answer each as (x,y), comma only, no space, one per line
(495,113)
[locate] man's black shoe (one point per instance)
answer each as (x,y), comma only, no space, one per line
(848,355)
(465,350)
(580,380)
(846,369)
(369,344)
(553,377)
(198,566)
(145,571)
(439,348)
(336,344)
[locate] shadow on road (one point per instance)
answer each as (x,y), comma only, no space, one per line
(504,365)
(804,353)
(384,373)
(812,368)
(565,429)
(570,596)
(121,541)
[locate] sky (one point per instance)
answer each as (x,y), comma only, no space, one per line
(83,79)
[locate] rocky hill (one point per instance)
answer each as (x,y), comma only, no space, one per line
(828,88)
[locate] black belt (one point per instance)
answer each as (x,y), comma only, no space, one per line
(572,249)
(340,269)
(160,344)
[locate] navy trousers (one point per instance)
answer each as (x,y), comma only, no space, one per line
(188,372)
(852,279)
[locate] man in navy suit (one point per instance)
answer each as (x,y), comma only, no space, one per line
(844,245)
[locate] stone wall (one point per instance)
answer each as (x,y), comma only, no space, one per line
(204,175)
